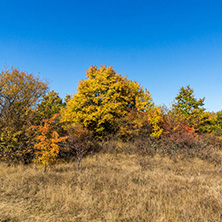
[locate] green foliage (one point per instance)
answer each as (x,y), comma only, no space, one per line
(20,93)
(219,123)
(219,118)
(190,109)
(104,97)
(49,106)
(211,124)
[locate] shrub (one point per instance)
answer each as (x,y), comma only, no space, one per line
(132,125)
(181,141)
(47,146)
(79,142)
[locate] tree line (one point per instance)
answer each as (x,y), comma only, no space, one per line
(37,125)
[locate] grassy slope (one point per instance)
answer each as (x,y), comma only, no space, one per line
(113,188)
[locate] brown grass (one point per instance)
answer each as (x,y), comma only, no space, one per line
(113,187)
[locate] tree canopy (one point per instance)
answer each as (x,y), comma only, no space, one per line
(102,98)
(49,106)
(20,93)
(189,108)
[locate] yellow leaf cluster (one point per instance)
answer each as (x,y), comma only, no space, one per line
(155,117)
(102,98)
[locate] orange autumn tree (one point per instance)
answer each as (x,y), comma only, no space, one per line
(48,143)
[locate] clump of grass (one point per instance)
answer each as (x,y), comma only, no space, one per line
(113,187)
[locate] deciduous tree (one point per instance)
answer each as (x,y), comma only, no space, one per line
(102,98)
(47,146)
(20,93)
(78,142)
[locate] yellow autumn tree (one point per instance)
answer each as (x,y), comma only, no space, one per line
(104,97)
(155,118)
(47,146)
(20,93)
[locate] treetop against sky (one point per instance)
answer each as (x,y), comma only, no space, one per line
(161,44)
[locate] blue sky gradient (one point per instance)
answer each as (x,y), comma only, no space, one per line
(161,44)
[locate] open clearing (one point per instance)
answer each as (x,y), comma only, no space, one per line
(113,187)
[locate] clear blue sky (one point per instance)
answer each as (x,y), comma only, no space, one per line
(161,44)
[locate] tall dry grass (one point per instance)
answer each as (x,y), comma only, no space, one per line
(113,187)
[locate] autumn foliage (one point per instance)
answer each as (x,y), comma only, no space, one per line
(39,126)
(104,97)
(20,93)
(47,146)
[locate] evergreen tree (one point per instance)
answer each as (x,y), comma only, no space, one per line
(190,109)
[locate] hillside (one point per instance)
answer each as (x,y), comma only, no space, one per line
(113,187)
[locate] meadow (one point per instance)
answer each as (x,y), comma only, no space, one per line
(113,186)
(107,153)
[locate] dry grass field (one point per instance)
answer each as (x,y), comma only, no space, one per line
(113,187)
